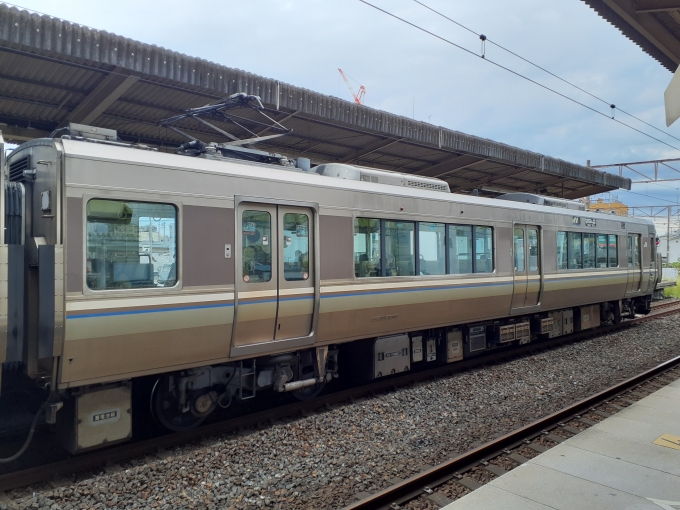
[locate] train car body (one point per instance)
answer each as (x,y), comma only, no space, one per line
(224,277)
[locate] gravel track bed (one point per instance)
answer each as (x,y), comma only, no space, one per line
(323,460)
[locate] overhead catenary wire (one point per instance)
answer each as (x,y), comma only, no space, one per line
(485,39)
(650,196)
(486,59)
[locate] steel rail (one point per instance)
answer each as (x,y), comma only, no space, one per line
(108,456)
(414,486)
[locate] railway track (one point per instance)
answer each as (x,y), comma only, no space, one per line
(157,445)
(552,429)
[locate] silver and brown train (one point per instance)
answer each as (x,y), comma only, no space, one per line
(220,278)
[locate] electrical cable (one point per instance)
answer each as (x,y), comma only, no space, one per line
(650,196)
(515,73)
(27,443)
(486,39)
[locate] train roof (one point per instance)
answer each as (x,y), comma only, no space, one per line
(269,172)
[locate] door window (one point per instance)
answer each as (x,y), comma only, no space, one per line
(636,251)
(518,241)
(629,251)
(295,247)
(533,249)
(256,251)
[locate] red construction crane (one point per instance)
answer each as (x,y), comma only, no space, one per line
(358,98)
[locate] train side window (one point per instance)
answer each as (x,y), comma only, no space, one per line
(629,250)
(613,251)
(483,250)
(130,244)
(400,248)
(562,251)
(256,248)
(460,249)
(601,250)
(431,246)
(575,250)
(366,247)
(652,247)
(295,246)
(588,251)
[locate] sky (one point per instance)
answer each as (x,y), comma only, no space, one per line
(407,72)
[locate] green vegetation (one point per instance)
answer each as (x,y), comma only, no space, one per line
(673,291)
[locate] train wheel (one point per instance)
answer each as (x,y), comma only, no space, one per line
(165,408)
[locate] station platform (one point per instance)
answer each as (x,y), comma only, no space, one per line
(628,461)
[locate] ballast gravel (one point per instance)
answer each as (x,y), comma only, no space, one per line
(325,459)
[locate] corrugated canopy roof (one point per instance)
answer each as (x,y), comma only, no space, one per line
(53,72)
(654,25)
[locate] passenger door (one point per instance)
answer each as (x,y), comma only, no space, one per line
(519,261)
(296,281)
(526,259)
(276,281)
(533,265)
(633,255)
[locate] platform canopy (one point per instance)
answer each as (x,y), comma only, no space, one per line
(654,25)
(53,72)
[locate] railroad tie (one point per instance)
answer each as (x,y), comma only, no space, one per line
(555,438)
(601,414)
(517,458)
(439,499)
(494,469)
(588,422)
(571,430)
(469,483)
(537,447)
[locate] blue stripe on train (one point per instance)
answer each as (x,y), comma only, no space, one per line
(295,298)
(138,312)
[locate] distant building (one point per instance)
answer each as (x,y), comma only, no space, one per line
(674,254)
(608,207)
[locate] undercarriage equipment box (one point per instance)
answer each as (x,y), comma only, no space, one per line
(417,348)
(477,338)
(391,355)
(544,326)
(453,345)
(567,322)
(588,318)
(96,418)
